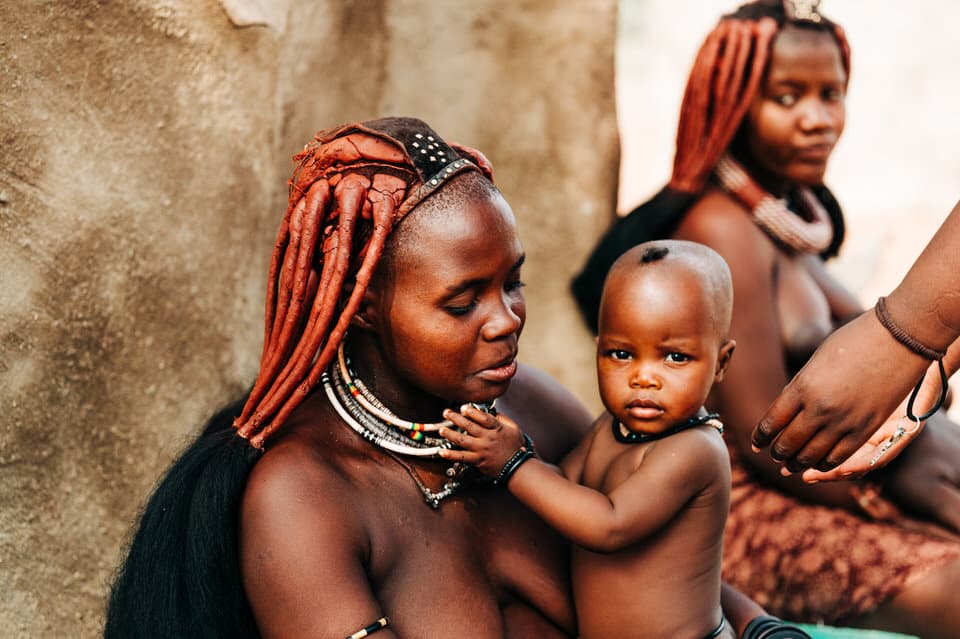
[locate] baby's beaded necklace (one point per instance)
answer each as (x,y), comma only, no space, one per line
(627,436)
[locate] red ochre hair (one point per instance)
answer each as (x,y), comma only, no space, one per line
(725,78)
(350,187)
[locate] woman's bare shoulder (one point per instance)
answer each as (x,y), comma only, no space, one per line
(302,474)
(722,223)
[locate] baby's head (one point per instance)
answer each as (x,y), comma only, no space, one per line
(662,342)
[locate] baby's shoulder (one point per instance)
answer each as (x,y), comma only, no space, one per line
(701,447)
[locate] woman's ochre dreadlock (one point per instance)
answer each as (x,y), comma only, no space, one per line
(725,78)
(349,189)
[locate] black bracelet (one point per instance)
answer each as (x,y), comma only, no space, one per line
(944,387)
(770,627)
(523,453)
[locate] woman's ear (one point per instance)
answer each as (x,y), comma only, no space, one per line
(723,359)
(366,315)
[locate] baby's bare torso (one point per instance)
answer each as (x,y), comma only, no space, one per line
(668,584)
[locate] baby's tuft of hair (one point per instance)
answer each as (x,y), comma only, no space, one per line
(654,254)
(707,265)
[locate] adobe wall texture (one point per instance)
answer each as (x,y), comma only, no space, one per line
(144,150)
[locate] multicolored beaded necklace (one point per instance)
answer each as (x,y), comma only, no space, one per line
(397,437)
(370,402)
(627,436)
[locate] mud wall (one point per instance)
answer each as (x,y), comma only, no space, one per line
(144,148)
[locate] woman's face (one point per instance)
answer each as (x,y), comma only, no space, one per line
(451,309)
(799,113)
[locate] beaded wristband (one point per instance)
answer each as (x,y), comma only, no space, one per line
(770,627)
(523,453)
(902,336)
(920,349)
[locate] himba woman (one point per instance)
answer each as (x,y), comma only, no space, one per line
(763,109)
(394,292)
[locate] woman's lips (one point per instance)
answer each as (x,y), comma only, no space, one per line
(814,153)
(499,374)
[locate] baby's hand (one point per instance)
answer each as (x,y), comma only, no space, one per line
(488,441)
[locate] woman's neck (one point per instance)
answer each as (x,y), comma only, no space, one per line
(369,363)
(776,185)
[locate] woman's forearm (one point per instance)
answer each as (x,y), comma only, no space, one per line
(926,304)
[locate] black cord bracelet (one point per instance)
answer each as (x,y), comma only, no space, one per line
(523,453)
(916,389)
(770,627)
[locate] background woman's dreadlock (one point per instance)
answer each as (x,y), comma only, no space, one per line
(724,80)
(181,575)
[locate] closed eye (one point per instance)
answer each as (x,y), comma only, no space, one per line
(514,286)
(462,309)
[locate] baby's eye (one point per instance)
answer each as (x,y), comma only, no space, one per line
(619,354)
(678,358)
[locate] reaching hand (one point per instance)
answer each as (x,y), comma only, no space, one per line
(487,441)
(853,382)
(873,455)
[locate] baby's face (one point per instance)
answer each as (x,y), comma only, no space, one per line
(657,351)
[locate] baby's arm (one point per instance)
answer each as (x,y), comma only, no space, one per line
(635,509)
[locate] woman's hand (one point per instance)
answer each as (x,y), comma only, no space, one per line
(853,382)
(872,455)
(487,441)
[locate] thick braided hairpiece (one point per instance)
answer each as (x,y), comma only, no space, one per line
(725,78)
(350,187)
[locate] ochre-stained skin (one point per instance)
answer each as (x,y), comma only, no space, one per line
(339,180)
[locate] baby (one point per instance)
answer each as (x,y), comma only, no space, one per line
(644,497)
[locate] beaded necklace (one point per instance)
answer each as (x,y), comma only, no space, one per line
(370,402)
(627,436)
(371,428)
(395,437)
(772,214)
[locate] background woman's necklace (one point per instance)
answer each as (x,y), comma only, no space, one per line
(773,215)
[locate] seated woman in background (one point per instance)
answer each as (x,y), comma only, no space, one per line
(763,109)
